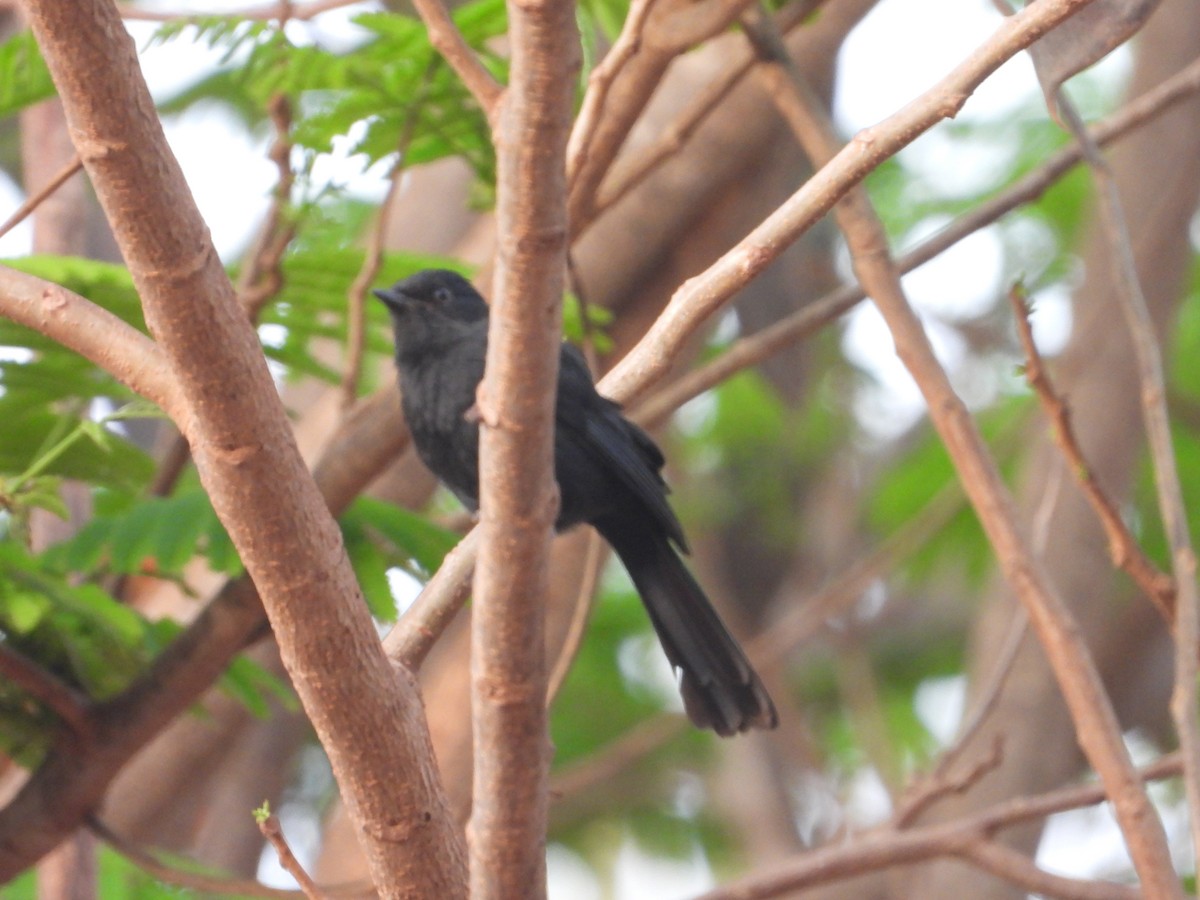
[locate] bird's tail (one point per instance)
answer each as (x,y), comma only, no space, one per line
(720,689)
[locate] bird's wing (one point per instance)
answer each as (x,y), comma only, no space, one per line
(595,424)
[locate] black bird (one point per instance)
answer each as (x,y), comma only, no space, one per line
(608,473)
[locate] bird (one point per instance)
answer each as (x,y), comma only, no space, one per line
(609,474)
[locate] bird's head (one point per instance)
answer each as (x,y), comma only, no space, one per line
(432,293)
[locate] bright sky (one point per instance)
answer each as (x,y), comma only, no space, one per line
(880,72)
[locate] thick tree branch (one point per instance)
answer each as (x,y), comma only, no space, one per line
(248,461)
(518,500)
(94,333)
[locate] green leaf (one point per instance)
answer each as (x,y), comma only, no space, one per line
(416,539)
(24,78)
(370,565)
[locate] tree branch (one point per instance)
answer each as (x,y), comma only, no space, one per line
(449,42)
(95,334)
(1096,724)
(702,296)
(518,498)
(247,458)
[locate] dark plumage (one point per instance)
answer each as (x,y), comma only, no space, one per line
(608,472)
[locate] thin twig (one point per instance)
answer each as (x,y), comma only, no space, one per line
(26,209)
(939,784)
(1096,725)
(373,255)
(584,598)
(1171,505)
(887,846)
(749,351)
(1123,547)
(301,12)
(196,881)
(1017,868)
(262,277)
(271,830)
(449,42)
(69,704)
(671,139)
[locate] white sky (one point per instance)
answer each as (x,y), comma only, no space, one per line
(880,72)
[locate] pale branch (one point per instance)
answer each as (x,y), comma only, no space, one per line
(27,208)
(262,277)
(439,602)
(1016,868)
(1123,547)
(888,846)
(751,350)
(593,565)
(618,183)
(273,832)
(1172,508)
(247,458)
(449,42)
(267,12)
(152,864)
(1096,726)
(518,499)
(95,334)
(702,296)
(654,34)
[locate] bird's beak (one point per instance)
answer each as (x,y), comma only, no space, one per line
(390,299)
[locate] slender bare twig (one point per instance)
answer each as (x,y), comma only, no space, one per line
(196,881)
(273,832)
(449,42)
(623,179)
(300,12)
(70,705)
(702,296)
(751,350)
(888,846)
(1018,869)
(616,756)
(26,209)
(938,784)
(262,277)
(1123,547)
(584,597)
(654,33)
(1096,724)
(1171,505)
(373,255)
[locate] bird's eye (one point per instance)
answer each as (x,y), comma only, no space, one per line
(442,295)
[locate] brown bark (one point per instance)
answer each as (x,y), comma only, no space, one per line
(246,457)
(517,501)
